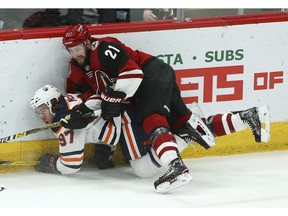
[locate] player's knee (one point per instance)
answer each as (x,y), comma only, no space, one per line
(67,169)
(144,167)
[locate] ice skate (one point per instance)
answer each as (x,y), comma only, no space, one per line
(189,131)
(258,120)
(176,176)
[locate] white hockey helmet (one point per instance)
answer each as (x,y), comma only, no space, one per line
(44,95)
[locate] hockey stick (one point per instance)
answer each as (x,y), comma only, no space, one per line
(29,163)
(18,163)
(45,127)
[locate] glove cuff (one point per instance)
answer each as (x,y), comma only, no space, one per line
(84,109)
(47,164)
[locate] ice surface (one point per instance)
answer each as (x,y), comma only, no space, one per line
(257,180)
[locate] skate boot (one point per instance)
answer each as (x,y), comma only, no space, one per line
(190,133)
(253,117)
(176,176)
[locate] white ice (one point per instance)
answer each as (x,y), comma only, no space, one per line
(256,180)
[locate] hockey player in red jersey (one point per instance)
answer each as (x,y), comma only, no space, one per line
(119,75)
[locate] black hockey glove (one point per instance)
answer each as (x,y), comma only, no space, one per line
(103,157)
(47,164)
(111,103)
(76,119)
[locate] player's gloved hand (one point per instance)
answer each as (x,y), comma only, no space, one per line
(47,164)
(76,119)
(103,156)
(111,103)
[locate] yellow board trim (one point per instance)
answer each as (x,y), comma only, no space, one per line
(241,142)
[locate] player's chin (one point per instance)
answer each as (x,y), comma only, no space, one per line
(80,61)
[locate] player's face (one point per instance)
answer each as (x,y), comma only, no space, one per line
(78,53)
(44,114)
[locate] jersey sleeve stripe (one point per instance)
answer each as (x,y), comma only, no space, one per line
(75,159)
(135,72)
(75,167)
(129,76)
(72,153)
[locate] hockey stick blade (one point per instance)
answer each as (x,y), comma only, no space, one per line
(45,127)
(29,163)
(18,163)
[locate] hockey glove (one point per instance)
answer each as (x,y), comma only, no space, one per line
(111,103)
(47,164)
(76,119)
(103,157)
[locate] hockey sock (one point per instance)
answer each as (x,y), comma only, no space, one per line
(164,143)
(165,147)
(154,121)
(223,124)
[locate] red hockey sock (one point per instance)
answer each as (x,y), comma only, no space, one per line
(154,121)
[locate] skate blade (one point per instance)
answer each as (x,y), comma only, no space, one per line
(196,109)
(195,121)
(264,114)
(181,180)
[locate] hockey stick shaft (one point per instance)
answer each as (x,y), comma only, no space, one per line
(18,163)
(26,163)
(45,127)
